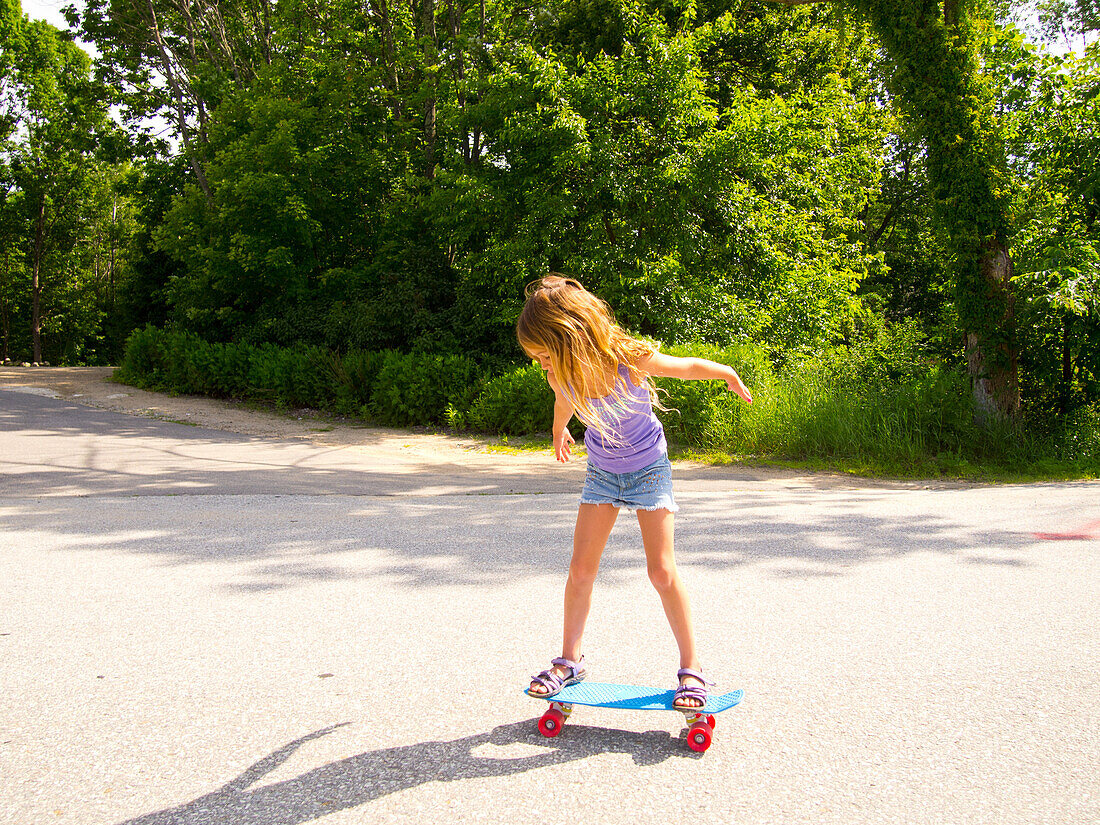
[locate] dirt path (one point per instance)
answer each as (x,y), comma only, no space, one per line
(93,387)
(381,447)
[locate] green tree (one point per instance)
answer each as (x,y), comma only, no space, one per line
(933,50)
(898,224)
(393,175)
(1054,126)
(937,80)
(59,124)
(176,60)
(695,220)
(11,271)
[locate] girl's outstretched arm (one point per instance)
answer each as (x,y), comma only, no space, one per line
(660,365)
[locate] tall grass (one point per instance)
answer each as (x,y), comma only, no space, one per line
(868,411)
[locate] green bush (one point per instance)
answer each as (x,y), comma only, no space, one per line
(393,388)
(1081,437)
(299,376)
(418,387)
(706,413)
(877,405)
(141,363)
(356,374)
(519,402)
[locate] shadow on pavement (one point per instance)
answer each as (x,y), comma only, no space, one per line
(468,540)
(55,448)
(365,777)
(429,522)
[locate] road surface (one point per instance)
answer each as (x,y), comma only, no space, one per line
(205,627)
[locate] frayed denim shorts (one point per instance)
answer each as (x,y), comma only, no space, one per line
(649,488)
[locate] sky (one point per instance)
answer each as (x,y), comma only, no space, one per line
(50,11)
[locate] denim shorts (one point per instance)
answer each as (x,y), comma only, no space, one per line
(649,488)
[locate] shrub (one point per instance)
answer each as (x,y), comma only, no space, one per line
(876,405)
(142,358)
(519,402)
(299,376)
(417,388)
(356,374)
(1081,437)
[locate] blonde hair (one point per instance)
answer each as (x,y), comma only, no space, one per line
(585,344)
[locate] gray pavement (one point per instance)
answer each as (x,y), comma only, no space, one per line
(200,627)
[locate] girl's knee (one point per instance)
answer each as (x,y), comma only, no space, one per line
(664,578)
(583,575)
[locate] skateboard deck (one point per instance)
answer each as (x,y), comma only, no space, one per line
(635,697)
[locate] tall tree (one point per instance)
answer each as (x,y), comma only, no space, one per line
(60,123)
(933,57)
(10,262)
(176,59)
(1052,108)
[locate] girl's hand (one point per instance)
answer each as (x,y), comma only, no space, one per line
(736,385)
(562,441)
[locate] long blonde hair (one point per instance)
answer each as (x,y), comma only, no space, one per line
(585,344)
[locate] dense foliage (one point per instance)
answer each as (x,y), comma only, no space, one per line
(329,207)
(353,178)
(60,222)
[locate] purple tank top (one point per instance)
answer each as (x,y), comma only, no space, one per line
(639,438)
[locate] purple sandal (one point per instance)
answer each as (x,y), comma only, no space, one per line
(691,691)
(553,682)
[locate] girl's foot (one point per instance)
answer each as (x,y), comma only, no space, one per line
(564,672)
(692,692)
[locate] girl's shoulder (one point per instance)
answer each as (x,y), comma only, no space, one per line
(645,363)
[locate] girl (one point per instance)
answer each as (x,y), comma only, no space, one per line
(603,376)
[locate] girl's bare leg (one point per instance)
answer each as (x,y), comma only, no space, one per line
(657,538)
(594,523)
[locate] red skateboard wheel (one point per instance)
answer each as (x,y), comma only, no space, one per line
(699,736)
(551,722)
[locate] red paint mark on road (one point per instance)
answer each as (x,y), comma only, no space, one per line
(1086,533)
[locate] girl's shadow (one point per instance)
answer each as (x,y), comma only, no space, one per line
(367,776)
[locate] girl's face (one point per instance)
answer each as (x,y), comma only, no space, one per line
(543,357)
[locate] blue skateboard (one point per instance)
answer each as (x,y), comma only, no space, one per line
(632,697)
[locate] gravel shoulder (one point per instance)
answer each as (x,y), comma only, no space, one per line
(380,447)
(94,387)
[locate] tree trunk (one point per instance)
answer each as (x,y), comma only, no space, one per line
(389,54)
(937,82)
(5,328)
(475,151)
(178,96)
(992,364)
(36,282)
(111,262)
(1067,363)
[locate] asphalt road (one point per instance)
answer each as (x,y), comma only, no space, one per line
(199,627)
